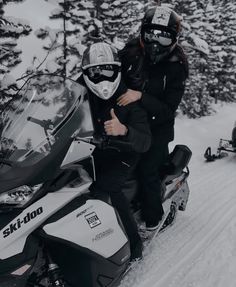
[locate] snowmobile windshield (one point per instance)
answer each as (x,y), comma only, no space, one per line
(47,109)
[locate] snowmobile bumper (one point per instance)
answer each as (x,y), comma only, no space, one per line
(226,145)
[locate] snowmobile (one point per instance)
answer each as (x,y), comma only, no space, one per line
(52,232)
(224,147)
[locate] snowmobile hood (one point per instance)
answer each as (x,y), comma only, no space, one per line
(38,125)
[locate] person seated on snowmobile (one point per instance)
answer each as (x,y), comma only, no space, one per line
(101,74)
(155,69)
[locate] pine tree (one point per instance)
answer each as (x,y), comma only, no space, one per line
(11,29)
(90,11)
(197,100)
(68,44)
(120,20)
(211,72)
(223,50)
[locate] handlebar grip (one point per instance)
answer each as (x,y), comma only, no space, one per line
(33,120)
(109,143)
(120,145)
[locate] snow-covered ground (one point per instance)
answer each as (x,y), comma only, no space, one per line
(199,250)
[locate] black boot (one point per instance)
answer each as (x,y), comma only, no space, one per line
(136,249)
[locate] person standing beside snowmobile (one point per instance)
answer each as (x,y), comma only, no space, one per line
(101,74)
(155,69)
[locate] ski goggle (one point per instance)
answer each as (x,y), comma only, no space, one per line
(163,38)
(99,73)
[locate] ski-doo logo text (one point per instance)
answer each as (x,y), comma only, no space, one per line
(21,221)
(92,219)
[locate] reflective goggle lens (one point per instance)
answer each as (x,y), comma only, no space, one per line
(102,72)
(158,36)
(98,71)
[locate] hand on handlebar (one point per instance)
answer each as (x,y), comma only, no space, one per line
(105,142)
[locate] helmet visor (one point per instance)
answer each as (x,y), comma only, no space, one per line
(99,73)
(163,38)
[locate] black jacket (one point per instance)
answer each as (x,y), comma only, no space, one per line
(162,85)
(132,116)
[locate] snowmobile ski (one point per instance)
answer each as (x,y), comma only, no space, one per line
(212,157)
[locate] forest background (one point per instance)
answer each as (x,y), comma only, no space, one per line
(208,37)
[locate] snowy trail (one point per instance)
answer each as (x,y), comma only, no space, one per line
(200,248)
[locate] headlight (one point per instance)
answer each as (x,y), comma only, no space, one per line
(19,196)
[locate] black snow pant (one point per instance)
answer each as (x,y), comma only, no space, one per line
(111,174)
(149,176)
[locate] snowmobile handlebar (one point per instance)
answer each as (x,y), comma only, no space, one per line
(46,124)
(108,143)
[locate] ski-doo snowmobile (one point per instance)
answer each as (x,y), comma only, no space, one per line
(52,232)
(224,147)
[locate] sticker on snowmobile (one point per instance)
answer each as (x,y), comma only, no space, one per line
(92,219)
(103,234)
(161,16)
(20,271)
(21,221)
(84,211)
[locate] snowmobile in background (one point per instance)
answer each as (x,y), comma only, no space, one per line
(224,147)
(52,232)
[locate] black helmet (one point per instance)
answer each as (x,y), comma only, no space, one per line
(101,69)
(159,32)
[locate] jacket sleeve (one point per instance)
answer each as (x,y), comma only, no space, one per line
(163,110)
(132,65)
(139,134)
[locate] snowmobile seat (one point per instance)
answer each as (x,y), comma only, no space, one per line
(178,160)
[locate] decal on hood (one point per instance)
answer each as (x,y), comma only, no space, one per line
(14,226)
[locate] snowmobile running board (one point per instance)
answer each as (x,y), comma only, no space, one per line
(224,145)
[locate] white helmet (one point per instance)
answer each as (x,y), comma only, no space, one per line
(101,69)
